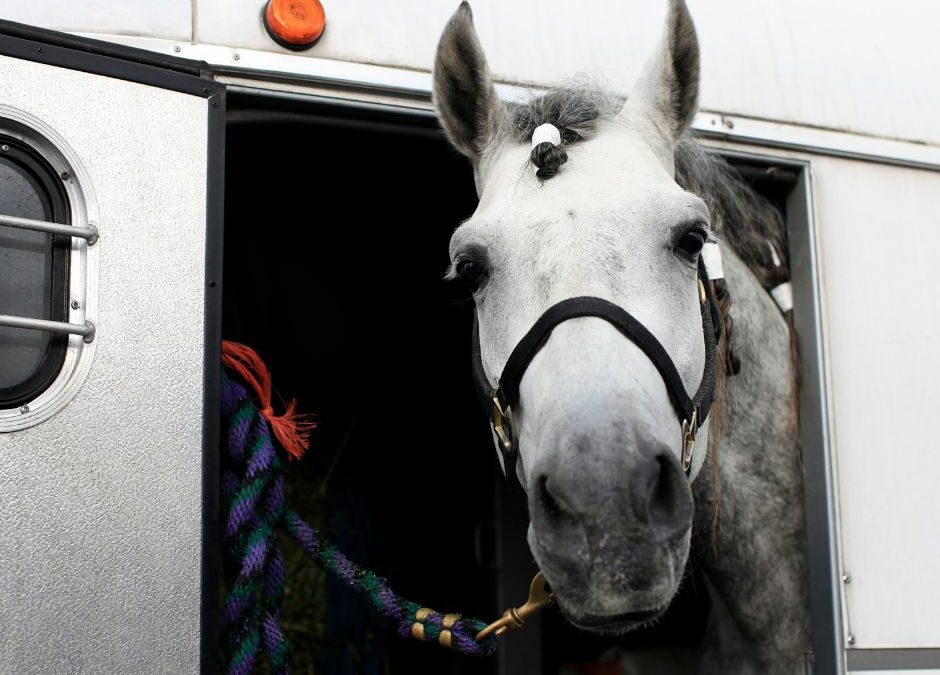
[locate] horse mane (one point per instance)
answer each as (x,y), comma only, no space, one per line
(749,223)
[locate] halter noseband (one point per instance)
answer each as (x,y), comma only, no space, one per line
(692,412)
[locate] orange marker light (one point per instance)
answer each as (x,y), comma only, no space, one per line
(295,24)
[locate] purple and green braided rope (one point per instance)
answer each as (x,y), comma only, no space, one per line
(253,493)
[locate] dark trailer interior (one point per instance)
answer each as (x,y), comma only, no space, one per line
(337,222)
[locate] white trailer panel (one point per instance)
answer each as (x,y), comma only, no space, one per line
(860,66)
(800,61)
(171,19)
(102,511)
(879,232)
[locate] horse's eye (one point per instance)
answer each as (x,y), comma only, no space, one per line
(471,272)
(691,243)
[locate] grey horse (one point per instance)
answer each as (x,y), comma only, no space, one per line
(620,208)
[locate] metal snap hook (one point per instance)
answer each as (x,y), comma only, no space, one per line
(502,424)
(514,617)
(689,428)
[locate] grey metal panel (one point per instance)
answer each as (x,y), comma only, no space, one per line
(825,591)
(893,659)
(101,515)
(215,191)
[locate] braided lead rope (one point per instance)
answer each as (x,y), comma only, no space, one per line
(251,615)
(253,491)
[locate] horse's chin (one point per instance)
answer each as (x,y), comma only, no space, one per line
(611,623)
(615,597)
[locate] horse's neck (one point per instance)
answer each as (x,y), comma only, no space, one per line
(758,563)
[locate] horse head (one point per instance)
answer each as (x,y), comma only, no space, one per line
(594,212)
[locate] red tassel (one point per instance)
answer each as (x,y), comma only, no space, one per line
(292,429)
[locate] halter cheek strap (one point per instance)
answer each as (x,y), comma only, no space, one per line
(691,411)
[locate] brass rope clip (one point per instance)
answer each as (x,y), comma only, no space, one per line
(514,617)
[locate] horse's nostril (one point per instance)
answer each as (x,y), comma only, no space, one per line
(549,503)
(663,495)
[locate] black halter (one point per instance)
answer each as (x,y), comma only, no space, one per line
(692,412)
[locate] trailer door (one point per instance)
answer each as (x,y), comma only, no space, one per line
(110,254)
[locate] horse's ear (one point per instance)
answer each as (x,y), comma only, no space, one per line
(464,95)
(666,94)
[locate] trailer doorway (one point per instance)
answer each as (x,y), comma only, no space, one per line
(338,218)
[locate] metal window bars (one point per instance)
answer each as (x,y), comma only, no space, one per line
(90,234)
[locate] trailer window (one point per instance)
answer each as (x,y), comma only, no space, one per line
(33,272)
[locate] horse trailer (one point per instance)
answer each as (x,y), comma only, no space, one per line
(133,136)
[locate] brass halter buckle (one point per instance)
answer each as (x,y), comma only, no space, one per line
(689,427)
(502,424)
(514,617)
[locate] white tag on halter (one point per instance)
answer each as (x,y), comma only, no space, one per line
(783,296)
(546,133)
(774,256)
(711,254)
